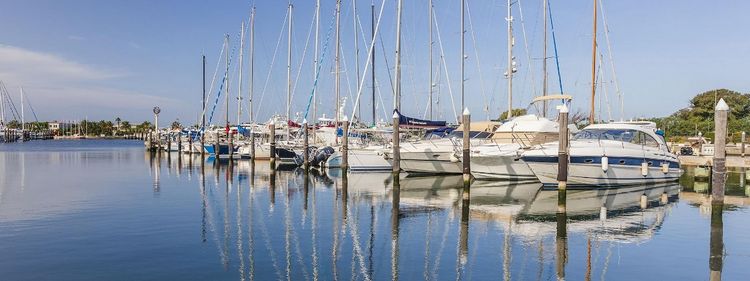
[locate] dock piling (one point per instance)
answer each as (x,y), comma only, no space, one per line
(345,147)
(562,160)
(396,145)
(272,152)
(306,147)
(720,137)
(466,157)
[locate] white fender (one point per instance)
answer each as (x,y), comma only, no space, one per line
(644,169)
(605,163)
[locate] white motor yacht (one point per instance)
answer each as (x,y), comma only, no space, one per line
(619,153)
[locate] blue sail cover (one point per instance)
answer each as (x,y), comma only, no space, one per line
(409,122)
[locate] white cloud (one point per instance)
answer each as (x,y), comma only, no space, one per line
(60,87)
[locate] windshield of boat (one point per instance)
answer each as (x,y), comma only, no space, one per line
(472,134)
(624,135)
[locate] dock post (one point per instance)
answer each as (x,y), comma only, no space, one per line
(466,156)
(217,146)
(230,143)
(306,148)
(345,147)
(718,178)
(203,143)
(562,160)
(742,143)
(252,144)
(179,143)
(396,146)
(272,152)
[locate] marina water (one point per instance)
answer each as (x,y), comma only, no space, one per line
(108,210)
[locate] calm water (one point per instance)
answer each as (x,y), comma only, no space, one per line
(107,210)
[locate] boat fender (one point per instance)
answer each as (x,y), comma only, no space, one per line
(454,159)
(665,167)
(605,163)
(644,169)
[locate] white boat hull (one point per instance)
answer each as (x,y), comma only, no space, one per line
(430,162)
(361,160)
(593,175)
(496,167)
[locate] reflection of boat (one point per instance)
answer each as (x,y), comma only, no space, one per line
(621,153)
(590,202)
(431,191)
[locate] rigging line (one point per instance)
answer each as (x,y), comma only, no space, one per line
(273,61)
(445,66)
(387,66)
(12,106)
(526,47)
(478,63)
(304,54)
(554,45)
(369,57)
(611,60)
(225,81)
(31,107)
(604,88)
(320,64)
(213,80)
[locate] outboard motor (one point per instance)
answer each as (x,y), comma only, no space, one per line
(321,156)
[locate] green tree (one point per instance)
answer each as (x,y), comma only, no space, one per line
(516,112)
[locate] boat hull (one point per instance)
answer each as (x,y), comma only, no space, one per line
(592,174)
(361,161)
(496,167)
(429,162)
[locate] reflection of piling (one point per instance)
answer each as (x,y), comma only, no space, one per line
(463,244)
(716,251)
(179,143)
(396,146)
(466,147)
(345,147)
(396,201)
(720,136)
(272,135)
(306,149)
(561,245)
(562,160)
(230,145)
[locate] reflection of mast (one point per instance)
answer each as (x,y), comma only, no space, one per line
(506,250)
(203,203)
(240,248)
(225,249)
(250,240)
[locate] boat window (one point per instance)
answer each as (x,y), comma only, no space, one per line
(472,134)
(607,134)
(650,141)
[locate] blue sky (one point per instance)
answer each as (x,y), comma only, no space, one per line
(103,59)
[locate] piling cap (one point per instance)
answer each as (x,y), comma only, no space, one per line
(395,114)
(722,105)
(466,111)
(562,108)
(304,121)
(345,118)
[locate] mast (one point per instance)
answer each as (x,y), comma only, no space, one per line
(252,65)
(315,67)
(372,26)
(544,59)
(356,52)
(593,70)
(289,73)
(429,98)
(23,118)
(509,18)
(226,81)
(397,96)
(338,58)
(463,53)
(203,122)
(239,82)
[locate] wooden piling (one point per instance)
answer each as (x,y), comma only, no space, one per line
(345,147)
(230,143)
(742,143)
(252,144)
(272,152)
(466,157)
(306,147)
(217,146)
(562,160)
(720,137)
(179,143)
(396,147)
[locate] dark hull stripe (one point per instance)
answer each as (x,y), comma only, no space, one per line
(627,161)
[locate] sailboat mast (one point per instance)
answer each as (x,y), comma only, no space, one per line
(397,94)
(226,80)
(252,66)
(463,52)
(509,18)
(356,52)
(289,73)
(239,82)
(23,118)
(544,59)
(372,54)
(429,98)
(203,121)
(338,65)
(592,117)
(315,66)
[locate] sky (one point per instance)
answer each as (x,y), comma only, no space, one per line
(79,59)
